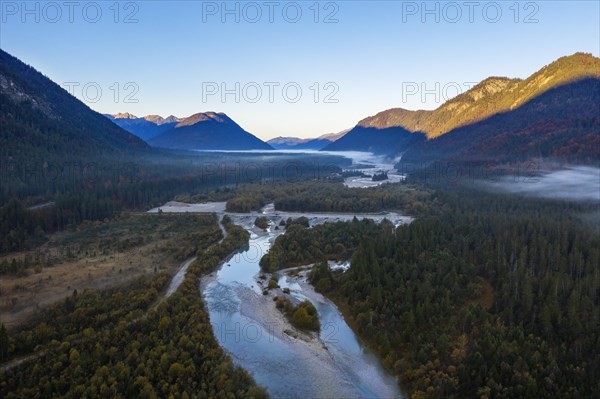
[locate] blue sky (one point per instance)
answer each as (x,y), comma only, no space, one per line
(349,59)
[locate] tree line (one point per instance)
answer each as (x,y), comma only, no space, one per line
(317,196)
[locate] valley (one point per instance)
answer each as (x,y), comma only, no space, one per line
(363,341)
(410,211)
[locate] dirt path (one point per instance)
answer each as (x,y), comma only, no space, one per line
(180,275)
(16,362)
(223,229)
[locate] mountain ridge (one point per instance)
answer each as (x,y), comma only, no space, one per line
(558,124)
(208,131)
(296,143)
(146,127)
(480,106)
(40,118)
(163,132)
(489,97)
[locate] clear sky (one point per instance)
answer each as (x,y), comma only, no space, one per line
(349,59)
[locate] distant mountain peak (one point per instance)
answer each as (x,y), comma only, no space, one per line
(154,118)
(209,131)
(125,115)
(293,141)
(203,130)
(159,120)
(145,127)
(204,116)
(172,119)
(296,143)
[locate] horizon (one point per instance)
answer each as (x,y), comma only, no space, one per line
(173,78)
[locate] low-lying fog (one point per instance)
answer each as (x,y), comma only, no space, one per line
(576,183)
(362,161)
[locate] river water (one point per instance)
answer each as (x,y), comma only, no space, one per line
(287,362)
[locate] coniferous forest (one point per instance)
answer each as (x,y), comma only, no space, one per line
(482,296)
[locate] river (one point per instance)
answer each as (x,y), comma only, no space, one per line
(287,362)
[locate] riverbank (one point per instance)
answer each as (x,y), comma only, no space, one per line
(275,216)
(258,336)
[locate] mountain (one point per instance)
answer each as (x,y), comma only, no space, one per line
(334,136)
(41,122)
(491,96)
(289,143)
(147,127)
(389,141)
(208,131)
(479,106)
(295,143)
(159,120)
(562,123)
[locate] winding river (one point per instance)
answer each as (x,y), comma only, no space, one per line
(287,362)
